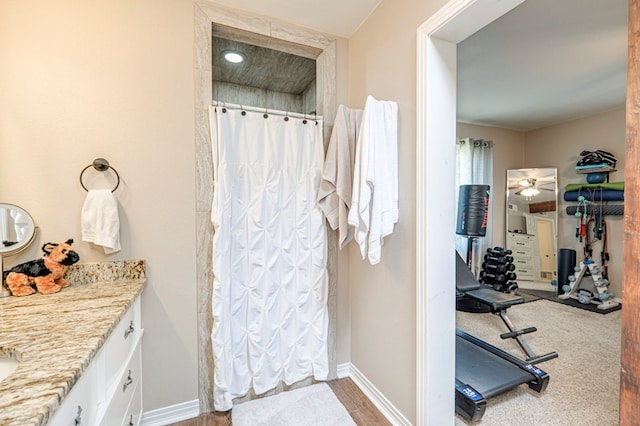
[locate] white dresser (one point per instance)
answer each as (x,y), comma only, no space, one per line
(523,249)
(109,392)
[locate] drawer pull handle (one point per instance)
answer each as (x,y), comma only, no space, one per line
(129,330)
(78,419)
(127,383)
(131,420)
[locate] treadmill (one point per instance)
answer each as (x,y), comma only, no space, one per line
(483,370)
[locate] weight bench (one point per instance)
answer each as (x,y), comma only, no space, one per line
(496,302)
(482,370)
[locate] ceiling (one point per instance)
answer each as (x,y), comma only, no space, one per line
(338,17)
(262,68)
(544,63)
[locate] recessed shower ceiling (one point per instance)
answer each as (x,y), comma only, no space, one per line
(263,68)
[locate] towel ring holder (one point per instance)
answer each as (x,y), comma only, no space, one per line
(101,165)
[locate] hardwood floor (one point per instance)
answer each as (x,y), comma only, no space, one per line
(361,410)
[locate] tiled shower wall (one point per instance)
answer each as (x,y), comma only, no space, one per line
(251,96)
(206,14)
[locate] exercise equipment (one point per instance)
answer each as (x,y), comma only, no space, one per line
(595,194)
(594,209)
(473,208)
(615,186)
(566,263)
(497,270)
(482,370)
(604,299)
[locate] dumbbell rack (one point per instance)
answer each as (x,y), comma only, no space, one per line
(497,270)
(604,300)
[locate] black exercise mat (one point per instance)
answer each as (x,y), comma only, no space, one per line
(527,297)
(552,296)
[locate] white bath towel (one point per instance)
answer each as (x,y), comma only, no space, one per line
(100,223)
(334,195)
(374,200)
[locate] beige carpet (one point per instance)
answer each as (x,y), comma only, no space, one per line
(314,405)
(584,379)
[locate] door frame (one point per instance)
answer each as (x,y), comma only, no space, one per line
(435,225)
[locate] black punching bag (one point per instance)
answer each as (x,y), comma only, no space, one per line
(566,263)
(473,210)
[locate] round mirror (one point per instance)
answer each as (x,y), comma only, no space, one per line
(17,229)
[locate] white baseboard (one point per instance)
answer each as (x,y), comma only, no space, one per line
(172,414)
(385,406)
(344,370)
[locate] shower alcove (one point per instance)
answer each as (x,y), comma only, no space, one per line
(212,20)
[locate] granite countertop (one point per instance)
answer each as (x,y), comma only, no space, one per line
(56,336)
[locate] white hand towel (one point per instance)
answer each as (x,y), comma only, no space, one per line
(374,200)
(100,222)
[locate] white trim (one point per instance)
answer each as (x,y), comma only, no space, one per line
(435,225)
(172,414)
(385,406)
(344,370)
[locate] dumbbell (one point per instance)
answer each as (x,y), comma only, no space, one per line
(585,296)
(601,283)
(606,295)
(498,259)
(498,251)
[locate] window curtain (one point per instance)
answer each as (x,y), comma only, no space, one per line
(474,165)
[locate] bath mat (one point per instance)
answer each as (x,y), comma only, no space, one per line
(314,405)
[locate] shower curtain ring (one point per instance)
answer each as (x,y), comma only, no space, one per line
(224,109)
(305,119)
(265,115)
(243,111)
(286,116)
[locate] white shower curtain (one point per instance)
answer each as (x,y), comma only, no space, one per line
(270,316)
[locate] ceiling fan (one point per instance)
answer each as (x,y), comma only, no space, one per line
(528,188)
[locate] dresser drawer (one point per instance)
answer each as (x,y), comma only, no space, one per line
(523,263)
(80,406)
(133,416)
(520,244)
(124,392)
(518,252)
(122,342)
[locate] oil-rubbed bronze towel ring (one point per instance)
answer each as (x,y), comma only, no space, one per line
(101,165)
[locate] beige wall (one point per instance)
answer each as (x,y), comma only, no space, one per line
(560,146)
(382,63)
(110,79)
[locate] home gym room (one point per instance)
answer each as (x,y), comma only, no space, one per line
(541,95)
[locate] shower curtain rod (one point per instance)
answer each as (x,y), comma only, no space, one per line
(267,111)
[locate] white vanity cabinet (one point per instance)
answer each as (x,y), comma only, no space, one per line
(522,248)
(109,392)
(80,406)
